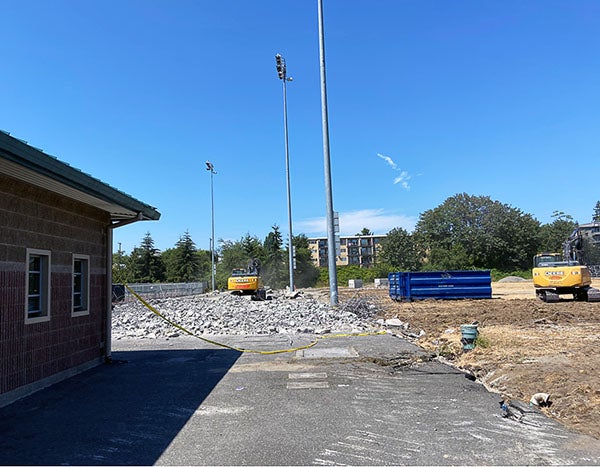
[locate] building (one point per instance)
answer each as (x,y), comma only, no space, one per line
(359,250)
(56,226)
(590,232)
(584,246)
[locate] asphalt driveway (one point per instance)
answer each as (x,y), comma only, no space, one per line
(370,400)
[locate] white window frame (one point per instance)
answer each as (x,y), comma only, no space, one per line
(44,293)
(85,286)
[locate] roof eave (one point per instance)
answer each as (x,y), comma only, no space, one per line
(120,205)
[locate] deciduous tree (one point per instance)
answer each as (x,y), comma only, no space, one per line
(306,273)
(236,254)
(476,231)
(399,250)
(553,235)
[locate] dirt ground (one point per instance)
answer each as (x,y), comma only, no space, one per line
(525,346)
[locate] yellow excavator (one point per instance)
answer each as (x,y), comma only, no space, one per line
(243,281)
(553,276)
(247,281)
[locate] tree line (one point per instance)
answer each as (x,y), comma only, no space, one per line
(186,263)
(464,232)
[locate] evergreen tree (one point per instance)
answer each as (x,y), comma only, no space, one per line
(146,262)
(187,264)
(596,216)
(273,243)
(274,272)
(183,262)
(252,247)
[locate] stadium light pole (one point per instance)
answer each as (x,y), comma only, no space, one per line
(282,72)
(211,169)
(333,288)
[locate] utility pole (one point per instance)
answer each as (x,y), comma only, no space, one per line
(333,288)
(282,72)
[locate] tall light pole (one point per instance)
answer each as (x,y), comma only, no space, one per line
(211,169)
(282,72)
(333,288)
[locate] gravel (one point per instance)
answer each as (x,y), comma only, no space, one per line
(227,314)
(512,279)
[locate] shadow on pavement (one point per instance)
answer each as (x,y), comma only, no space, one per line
(123,413)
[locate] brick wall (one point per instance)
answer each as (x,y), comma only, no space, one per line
(35,218)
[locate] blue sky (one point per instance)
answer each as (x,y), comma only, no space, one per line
(427,99)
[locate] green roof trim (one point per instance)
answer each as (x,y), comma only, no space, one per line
(20,160)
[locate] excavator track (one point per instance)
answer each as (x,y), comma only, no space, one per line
(593,294)
(548,296)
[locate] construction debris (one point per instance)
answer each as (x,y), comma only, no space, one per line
(540,399)
(223,314)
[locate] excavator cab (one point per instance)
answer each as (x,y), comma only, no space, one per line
(549,260)
(542,260)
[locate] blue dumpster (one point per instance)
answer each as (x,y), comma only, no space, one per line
(449,285)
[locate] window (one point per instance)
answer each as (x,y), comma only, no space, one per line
(37,303)
(81,284)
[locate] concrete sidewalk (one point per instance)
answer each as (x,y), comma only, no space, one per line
(372,400)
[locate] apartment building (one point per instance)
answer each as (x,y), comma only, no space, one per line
(358,250)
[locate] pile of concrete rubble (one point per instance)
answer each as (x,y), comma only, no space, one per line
(224,313)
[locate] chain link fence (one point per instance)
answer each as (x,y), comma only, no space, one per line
(161,290)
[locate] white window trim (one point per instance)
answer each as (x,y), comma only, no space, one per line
(45,284)
(86,285)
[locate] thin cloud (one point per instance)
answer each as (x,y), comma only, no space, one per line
(403,179)
(377,221)
(404,176)
(389,160)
